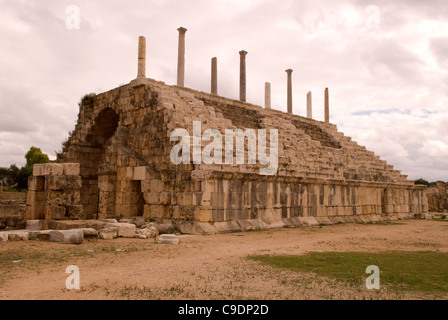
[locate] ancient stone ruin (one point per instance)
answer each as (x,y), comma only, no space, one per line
(117,163)
(438,197)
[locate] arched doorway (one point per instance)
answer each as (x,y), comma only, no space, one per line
(96,143)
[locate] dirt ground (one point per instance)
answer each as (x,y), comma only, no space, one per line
(208,267)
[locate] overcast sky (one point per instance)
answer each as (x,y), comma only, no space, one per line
(385,63)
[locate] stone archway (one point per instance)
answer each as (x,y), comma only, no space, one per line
(96,143)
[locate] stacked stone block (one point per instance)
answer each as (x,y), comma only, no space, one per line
(54,192)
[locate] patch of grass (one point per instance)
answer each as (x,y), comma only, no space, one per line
(425,272)
(384,223)
(439,219)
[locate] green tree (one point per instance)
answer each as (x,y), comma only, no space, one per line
(35,155)
(10,176)
(13,176)
(421,181)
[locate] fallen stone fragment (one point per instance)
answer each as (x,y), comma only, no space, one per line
(150,232)
(89,233)
(139,222)
(168,239)
(44,235)
(125,230)
(140,236)
(67,236)
(3,237)
(164,228)
(108,233)
(18,235)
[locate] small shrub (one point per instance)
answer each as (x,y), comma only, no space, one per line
(87,99)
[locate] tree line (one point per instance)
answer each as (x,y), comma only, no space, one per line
(15,178)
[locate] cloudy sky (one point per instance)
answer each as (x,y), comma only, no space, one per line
(385,63)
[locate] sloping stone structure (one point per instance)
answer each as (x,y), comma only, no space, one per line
(117,164)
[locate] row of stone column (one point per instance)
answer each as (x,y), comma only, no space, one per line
(214,76)
(309,106)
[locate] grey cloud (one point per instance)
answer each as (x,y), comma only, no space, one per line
(439,47)
(52,67)
(396,59)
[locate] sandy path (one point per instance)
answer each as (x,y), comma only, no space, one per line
(211,267)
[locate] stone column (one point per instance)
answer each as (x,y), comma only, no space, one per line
(309,106)
(243,75)
(289,72)
(327,106)
(181,57)
(141,57)
(267,95)
(214,89)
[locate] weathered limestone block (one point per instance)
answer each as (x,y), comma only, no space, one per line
(125,230)
(55,212)
(168,239)
(165,198)
(75,212)
(153,211)
(89,233)
(33,225)
(193,227)
(110,220)
(152,197)
(44,235)
(324,221)
(127,220)
(75,236)
(308,221)
(55,182)
(349,219)
(71,169)
(32,235)
(18,235)
(95,224)
(251,224)
(62,182)
(164,228)
(35,183)
(227,226)
(140,173)
(364,218)
(108,233)
(139,222)
(140,236)
(150,232)
(3,237)
(46,169)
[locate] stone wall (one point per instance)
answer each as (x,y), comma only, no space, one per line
(122,146)
(12,209)
(54,192)
(438,197)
